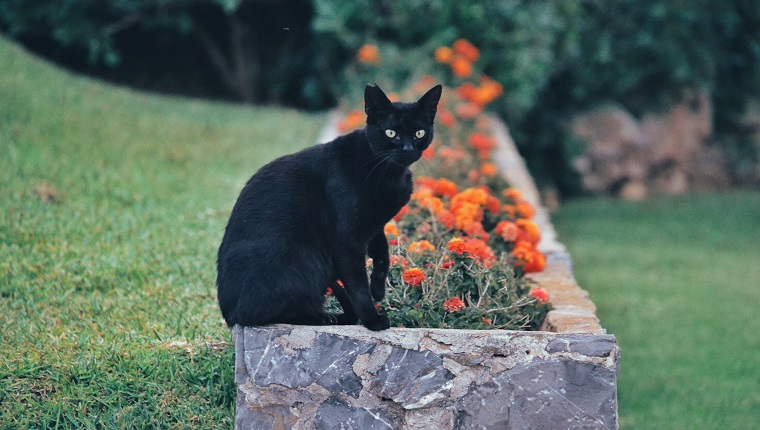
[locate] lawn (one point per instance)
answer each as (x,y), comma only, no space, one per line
(677,280)
(112,204)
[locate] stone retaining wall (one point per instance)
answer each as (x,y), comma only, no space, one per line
(347,377)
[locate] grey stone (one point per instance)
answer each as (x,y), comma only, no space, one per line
(589,345)
(335,413)
(327,362)
(543,394)
(412,378)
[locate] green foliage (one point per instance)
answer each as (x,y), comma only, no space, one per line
(112,206)
(676,281)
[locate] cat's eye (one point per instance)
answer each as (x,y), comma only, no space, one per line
(390,133)
(420,134)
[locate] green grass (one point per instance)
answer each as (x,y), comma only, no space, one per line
(108,310)
(677,280)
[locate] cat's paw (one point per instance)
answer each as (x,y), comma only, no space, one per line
(380,323)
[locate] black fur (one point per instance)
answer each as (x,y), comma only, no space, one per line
(307,219)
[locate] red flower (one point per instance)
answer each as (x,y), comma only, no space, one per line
(457,245)
(466,49)
(454,304)
(414,276)
(368,54)
(540,294)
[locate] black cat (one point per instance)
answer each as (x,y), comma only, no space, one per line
(307,219)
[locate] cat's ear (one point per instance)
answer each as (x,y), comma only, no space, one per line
(376,103)
(429,102)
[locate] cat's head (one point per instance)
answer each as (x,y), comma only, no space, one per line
(400,132)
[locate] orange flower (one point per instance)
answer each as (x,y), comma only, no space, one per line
(480,250)
(457,245)
(530,258)
(353,120)
(475,229)
(425,198)
(510,211)
(525,209)
(397,260)
(469,110)
(486,321)
(488,169)
(466,49)
(481,142)
(421,246)
(461,67)
(493,204)
(529,231)
(391,229)
(329,291)
(512,193)
(446,265)
(467,91)
(429,153)
(445,187)
(507,230)
(473,195)
(368,54)
(447,118)
(540,294)
(454,304)
(403,211)
(454,154)
(447,219)
(443,54)
(414,276)
(466,213)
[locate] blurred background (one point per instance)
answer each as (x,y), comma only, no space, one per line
(621,97)
(639,120)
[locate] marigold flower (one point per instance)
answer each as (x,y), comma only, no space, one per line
(480,250)
(420,246)
(475,229)
(466,213)
(529,231)
(507,230)
(391,229)
(457,245)
(454,154)
(486,321)
(525,209)
(401,213)
(397,260)
(466,49)
(488,169)
(329,291)
(443,54)
(493,205)
(461,67)
(429,153)
(447,219)
(467,91)
(368,54)
(445,187)
(510,211)
(469,110)
(481,142)
(512,193)
(527,256)
(425,198)
(446,265)
(352,120)
(447,118)
(414,276)
(454,304)
(473,195)
(540,294)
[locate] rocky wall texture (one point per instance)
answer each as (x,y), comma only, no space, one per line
(303,377)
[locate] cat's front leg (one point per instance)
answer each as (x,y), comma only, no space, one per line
(378,252)
(351,269)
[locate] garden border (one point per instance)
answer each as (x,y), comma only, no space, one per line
(564,376)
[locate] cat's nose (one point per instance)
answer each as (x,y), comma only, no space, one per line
(408,147)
